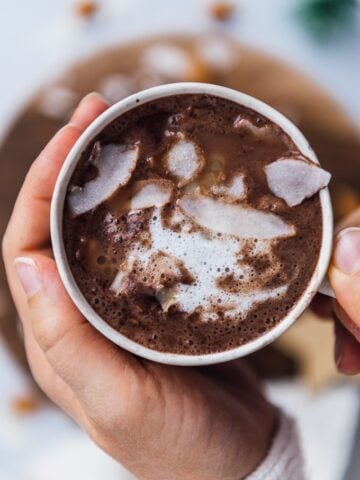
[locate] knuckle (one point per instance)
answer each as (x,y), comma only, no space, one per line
(48,329)
(44,338)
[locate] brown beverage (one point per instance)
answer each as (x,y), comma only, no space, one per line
(179,233)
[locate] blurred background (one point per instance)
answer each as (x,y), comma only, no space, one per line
(300,56)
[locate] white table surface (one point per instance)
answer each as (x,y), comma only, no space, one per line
(38,39)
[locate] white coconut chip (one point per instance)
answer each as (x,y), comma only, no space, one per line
(234,220)
(118,285)
(144,77)
(295,179)
(232,192)
(57,102)
(118,282)
(116,86)
(184,161)
(151,193)
(167,60)
(115,165)
(167,297)
(265,131)
(218,53)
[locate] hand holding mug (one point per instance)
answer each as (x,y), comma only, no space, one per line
(160,421)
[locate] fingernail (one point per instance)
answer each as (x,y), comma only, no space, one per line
(28,275)
(66,127)
(347,250)
(94,95)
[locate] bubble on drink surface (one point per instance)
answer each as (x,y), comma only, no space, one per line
(295,179)
(234,191)
(184,160)
(237,220)
(151,193)
(115,164)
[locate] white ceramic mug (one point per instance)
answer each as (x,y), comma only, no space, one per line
(57,207)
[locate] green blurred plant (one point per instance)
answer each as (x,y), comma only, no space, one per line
(324,18)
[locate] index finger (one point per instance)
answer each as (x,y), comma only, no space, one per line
(29,226)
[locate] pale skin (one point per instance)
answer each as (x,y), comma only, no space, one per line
(344,275)
(161,422)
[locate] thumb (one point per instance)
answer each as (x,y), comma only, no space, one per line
(344,276)
(77,352)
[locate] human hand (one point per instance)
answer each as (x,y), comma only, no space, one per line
(344,276)
(160,422)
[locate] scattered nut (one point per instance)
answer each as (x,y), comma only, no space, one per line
(86,8)
(221,11)
(345,199)
(25,404)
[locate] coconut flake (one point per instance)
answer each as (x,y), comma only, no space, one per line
(243,222)
(294,179)
(116,86)
(145,77)
(119,284)
(218,53)
(167,297)
(57,102)
(152,193)
(115,165)
(234,191)
(244,124)
(184,161)
(167,60)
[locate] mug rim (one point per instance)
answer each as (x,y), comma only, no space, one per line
(56,223)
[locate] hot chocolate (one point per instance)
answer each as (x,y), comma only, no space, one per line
(193,224)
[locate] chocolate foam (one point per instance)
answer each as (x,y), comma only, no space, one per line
(198,259)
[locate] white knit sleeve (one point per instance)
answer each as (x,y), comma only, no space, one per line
(284,460)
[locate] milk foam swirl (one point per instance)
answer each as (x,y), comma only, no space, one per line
(209,257)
